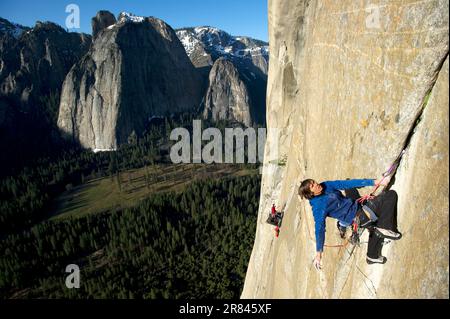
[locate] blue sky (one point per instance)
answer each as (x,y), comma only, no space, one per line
(237,17)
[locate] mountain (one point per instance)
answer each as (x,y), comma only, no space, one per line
(102,20)
(34,62)
(98,90)
(347,92)
(205,45)
(227,96)
(33,65)
(135,69)
(13,29)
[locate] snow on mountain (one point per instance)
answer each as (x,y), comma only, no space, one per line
(126,17)
(129,17)
(216,41)
(189,42)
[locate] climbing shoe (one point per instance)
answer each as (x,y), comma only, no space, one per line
(342,230)
(379,260)
(386,233)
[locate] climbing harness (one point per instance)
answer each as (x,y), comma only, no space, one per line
(356,232)
(358,229)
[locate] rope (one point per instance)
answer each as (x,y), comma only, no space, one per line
(387,173)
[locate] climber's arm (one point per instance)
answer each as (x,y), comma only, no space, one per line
(320,240)
(319,218)
(350,183)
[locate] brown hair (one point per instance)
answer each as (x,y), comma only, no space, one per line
(305,189)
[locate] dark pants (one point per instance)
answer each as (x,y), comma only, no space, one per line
(385,207)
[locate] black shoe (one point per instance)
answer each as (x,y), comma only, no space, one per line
(386,233)
(342,230)
(379,260)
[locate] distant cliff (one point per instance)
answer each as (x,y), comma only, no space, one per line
(204,45)
(33,64)
(249,59)
(349,86)
(34,61)
(227,96)
(136,68)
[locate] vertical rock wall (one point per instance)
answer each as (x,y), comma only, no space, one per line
(133,71)
(227,97)
(350,84)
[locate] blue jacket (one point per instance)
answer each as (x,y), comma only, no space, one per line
(333,204)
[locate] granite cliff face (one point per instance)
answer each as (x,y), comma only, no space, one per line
(135,69)
(102,20)
(33,65)
(349,87)
(34,61)
(248,57)
(227,96)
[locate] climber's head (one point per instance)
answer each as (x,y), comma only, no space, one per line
(309,188)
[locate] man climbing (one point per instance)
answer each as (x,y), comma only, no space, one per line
(275,214)
(379,213)
(275,219)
